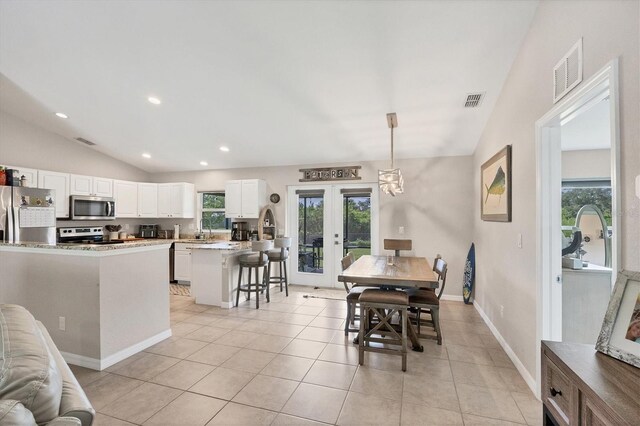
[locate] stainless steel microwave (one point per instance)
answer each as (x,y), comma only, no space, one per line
(92,208)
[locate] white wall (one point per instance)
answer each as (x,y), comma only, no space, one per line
(435,209)
(26,145)
(586,164)
(506,275)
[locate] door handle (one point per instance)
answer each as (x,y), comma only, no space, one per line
(336,243)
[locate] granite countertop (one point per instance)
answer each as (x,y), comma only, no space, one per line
(88,247)
(199,244)
(217,244)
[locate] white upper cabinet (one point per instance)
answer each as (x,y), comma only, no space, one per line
(91,186)
(126,195)
(147,200)
(233,199)
(31,175)
(81,185)
(176,200)
(59,182)
(102,187)
(245,198)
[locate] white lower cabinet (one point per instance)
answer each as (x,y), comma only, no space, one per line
(182,263)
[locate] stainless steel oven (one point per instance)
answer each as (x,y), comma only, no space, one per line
(92,208)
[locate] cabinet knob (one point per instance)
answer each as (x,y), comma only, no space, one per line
(554,392)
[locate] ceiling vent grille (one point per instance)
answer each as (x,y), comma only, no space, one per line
(85,141)
(474,100)
(567,73)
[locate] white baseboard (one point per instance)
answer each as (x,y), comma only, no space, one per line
(453,297)
(101,364)
(81,361)
(510,353)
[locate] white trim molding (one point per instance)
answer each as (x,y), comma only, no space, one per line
(531,382)
(101,364)
(548,181)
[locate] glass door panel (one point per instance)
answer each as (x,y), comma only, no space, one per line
(310,233)
(356,219)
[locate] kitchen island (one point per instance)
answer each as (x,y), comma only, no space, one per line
(214,272)
(100,304)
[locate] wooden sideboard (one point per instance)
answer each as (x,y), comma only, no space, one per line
(581,386)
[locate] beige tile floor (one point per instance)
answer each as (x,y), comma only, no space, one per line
(289,363)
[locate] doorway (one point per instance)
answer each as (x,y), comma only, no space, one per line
(578,235)
(326,222)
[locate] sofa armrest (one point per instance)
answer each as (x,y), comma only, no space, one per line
(65,421)
(74,401)
(12,413)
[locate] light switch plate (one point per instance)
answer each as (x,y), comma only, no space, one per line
(519,240)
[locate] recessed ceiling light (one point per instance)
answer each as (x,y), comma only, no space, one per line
(224,149)
(204,163)
(146,155)
(154,100)
(61,115)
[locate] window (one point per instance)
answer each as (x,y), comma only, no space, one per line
(212,211)
(577,193)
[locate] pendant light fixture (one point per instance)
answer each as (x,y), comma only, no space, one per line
(390,180)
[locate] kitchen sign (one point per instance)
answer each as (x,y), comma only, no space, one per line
(330,173)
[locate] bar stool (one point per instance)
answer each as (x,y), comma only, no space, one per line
(383,304)
(256,260)
(280,255)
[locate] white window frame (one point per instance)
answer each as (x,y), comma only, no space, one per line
(201,210)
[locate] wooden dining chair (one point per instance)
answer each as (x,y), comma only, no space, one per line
(382,305)
(353,296)
(397,245)
(427,301)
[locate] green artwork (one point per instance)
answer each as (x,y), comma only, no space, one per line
(497,186)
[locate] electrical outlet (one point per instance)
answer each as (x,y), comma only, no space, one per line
(401,230)
(192,226)
(126,226)
(519,240)
(62,323)
(501,311)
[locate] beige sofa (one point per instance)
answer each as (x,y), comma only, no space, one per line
(36,384)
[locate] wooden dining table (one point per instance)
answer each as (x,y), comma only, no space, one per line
(392,272)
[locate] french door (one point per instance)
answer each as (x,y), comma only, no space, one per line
(326,222)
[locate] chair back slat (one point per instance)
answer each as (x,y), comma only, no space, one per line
(346,262)
(397,245)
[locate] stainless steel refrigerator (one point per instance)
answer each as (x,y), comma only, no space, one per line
(27,215)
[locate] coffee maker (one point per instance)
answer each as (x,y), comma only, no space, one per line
(239,231)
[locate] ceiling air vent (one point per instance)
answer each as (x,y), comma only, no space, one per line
(86,142)
(567,73)
(474,99)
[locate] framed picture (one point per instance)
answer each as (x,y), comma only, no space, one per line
(620,333)
(495,182)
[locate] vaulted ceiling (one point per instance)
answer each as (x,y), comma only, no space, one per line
(278,82)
